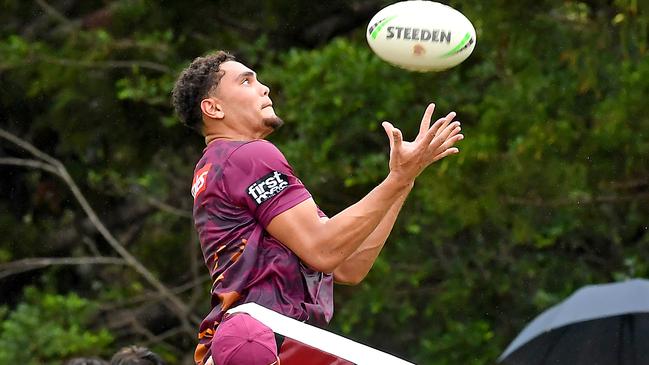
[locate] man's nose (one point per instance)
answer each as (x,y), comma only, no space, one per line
(265,89)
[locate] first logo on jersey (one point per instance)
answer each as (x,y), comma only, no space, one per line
(200,180)
(267,187)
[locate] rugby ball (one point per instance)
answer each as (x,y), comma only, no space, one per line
(421,35)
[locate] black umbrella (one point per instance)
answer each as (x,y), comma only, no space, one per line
(605,324)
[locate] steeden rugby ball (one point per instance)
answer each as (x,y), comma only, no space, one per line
(421,35)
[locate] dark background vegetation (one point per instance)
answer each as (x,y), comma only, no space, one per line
(550,191)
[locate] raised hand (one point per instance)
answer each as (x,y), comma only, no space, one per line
(409,159)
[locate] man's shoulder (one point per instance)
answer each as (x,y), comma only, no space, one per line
(258,149)
(257,145)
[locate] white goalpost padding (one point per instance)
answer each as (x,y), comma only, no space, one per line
(318,338)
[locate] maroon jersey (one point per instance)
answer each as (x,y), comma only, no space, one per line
(238,188)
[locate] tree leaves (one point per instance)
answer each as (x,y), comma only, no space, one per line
(548,193)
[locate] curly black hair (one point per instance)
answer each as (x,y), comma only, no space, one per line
(194,84)
(136,355)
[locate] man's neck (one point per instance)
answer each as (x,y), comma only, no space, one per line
(213,137)
(223,131)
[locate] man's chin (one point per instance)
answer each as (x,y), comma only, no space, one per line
(273,122)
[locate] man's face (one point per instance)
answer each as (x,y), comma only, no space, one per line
(245,100)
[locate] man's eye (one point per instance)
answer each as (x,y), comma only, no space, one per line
(245,81)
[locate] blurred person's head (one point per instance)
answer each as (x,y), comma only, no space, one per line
(136,355)
(86,361)
(221,97)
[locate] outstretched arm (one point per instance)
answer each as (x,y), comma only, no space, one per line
(354,269)
(324,245)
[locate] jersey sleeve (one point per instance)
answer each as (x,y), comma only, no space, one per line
(258,177)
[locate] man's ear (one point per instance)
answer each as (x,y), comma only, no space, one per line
(212,108)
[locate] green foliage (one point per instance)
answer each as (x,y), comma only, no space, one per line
(46,328)
(524,212)
(549,192)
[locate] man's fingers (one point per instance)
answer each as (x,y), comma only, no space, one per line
(425,121)
(445,140)
(453,131)
(398,138)
(447,120)
(450,141)
(435,140)
(450,130)
(446,148)
(439,127)
(450,151)
(394,134)
(388,130)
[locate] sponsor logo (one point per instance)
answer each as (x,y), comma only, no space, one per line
(417,34)
(267,187)
(200,180)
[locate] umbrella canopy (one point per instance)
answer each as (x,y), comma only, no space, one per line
(598,324)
